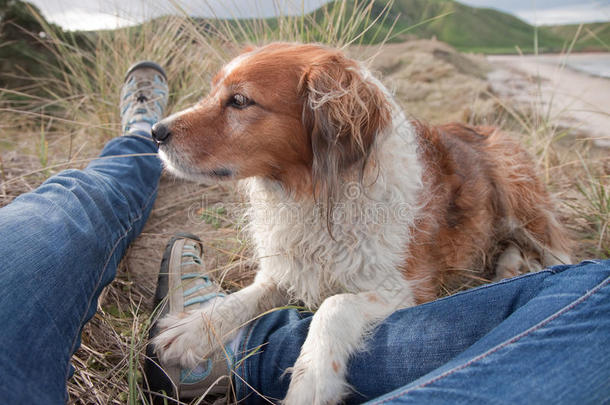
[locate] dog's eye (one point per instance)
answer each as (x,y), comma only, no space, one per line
(239,101)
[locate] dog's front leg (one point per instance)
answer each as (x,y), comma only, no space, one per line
(188,338)
(337,330)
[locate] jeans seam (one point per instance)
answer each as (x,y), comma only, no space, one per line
(243,349)
(99,280)
(548,270)
(491,285)
(495,349)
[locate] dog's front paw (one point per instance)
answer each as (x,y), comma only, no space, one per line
(188,338)
(315,384)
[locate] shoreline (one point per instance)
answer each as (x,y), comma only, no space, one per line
(528,54)
(595,64)
(574,99)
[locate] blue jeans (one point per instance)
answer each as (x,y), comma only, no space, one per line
(539,338)
(59,246)
(536,337)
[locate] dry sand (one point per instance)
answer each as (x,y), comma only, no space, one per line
(432,81)
(572,98)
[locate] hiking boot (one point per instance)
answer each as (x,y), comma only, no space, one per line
(143,98)
(183,286)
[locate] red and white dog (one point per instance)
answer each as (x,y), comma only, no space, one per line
(356,211)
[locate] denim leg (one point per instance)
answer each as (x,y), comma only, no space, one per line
(555,350)
(59,246)
(415,350)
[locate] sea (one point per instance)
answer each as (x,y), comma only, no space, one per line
(595,64)
(592,63)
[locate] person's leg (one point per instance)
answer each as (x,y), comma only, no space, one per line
(537,337)
(59,246)
(553,350)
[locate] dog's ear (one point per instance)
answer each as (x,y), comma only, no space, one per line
(343,112)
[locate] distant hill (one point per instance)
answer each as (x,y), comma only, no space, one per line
(474,29)
(481,29)
(469,29)
(592,37)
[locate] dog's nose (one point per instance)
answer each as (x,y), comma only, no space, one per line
(161,133)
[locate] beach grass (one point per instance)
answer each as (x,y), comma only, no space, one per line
(61,120)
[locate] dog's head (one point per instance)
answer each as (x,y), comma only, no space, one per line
(298,114)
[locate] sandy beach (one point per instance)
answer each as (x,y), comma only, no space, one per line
(573,98)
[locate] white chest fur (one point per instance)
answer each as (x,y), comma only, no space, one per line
(370,231)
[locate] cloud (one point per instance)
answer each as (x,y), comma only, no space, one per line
(546,12)
(97,14)
(573,14)
(79,19)
(104,14)
(248,8)
(516,5)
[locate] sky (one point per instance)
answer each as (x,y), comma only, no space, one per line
(545,12)
(100,14)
